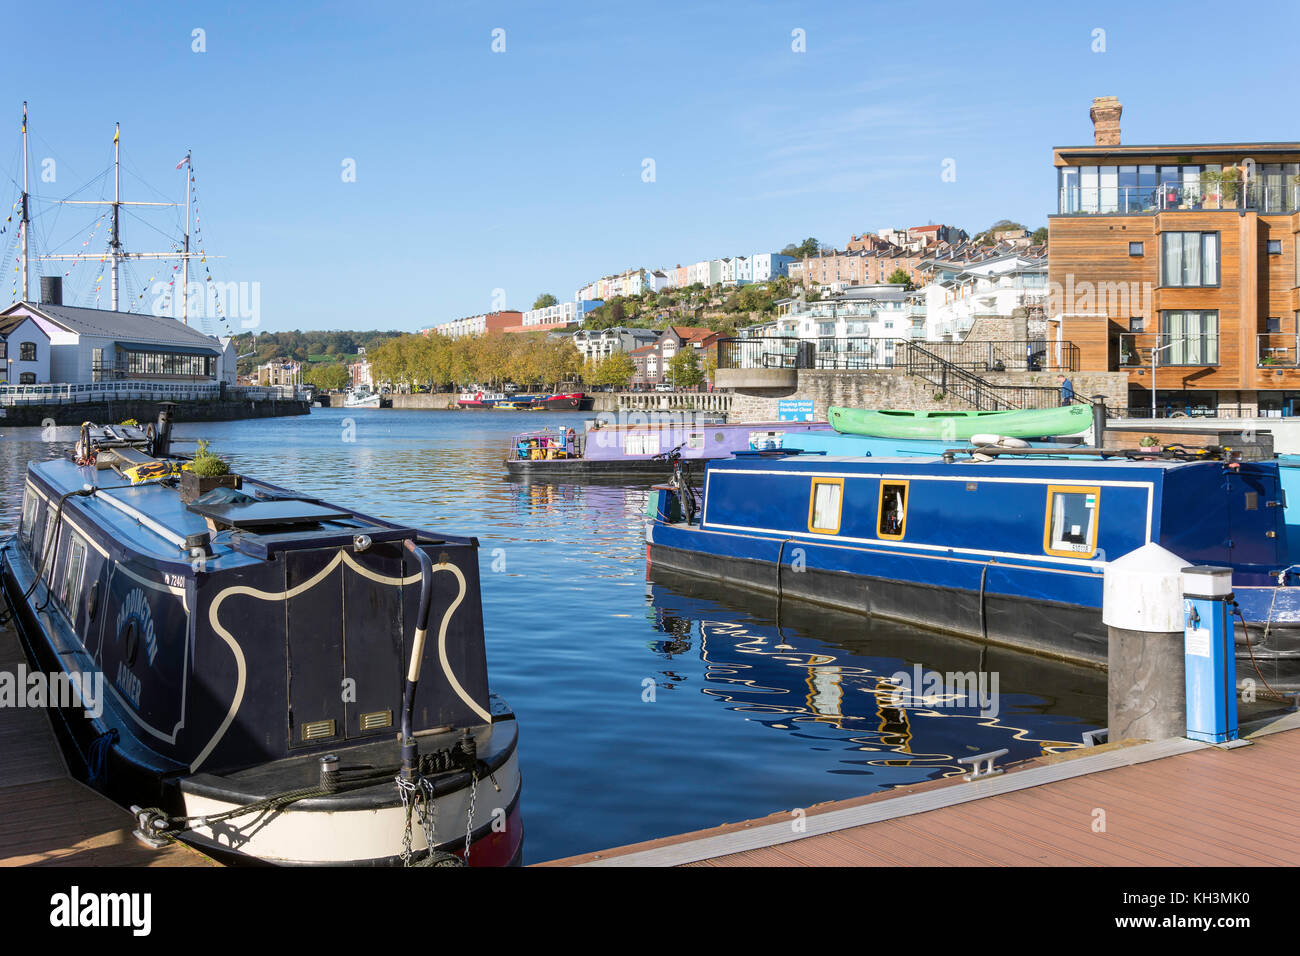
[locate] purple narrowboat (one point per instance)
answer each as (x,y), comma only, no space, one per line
(636,450)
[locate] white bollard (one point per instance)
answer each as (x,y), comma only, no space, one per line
(1143,611)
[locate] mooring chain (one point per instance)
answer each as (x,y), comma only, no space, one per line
(429,815)
(406,790)
(469,825)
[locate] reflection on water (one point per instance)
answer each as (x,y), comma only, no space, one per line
(828,678)
(752,711)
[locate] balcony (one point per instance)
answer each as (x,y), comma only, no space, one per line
(1261,197)
(1278,350)
(1184,351)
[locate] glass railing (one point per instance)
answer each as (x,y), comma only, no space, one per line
(1280,349)
(1265,197)
(1135,350)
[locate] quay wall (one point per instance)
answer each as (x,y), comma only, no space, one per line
(894,388)
(117,410)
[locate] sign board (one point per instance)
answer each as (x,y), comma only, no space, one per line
(794,410)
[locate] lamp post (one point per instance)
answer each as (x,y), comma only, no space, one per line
(1156,350)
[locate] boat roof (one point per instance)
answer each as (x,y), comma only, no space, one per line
(937,465)
(278,519)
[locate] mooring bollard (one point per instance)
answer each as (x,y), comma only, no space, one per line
(1210,659)
(1142,608)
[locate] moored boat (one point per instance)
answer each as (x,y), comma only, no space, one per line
(563,402)
(1007,551)
(640,449)
(361,398)
(961,425)
(283,680)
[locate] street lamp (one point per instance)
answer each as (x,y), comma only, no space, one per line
(1156,350)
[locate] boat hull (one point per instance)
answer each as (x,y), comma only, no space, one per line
(359,825)
(959,426)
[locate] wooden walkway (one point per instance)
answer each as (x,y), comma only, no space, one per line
(1168,803)
(46,817)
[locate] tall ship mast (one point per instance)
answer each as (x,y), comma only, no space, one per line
(117,254)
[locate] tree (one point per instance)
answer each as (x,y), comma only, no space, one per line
(329,377)
(802,250)
(901,277)
(684,369)
(1040,236)
(616,369)
(545,301)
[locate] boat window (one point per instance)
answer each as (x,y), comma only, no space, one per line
(29,514)
(48,549)
(1071,522)
(892,520)
(695,440)
(70,594)
(641,445)
(825,504)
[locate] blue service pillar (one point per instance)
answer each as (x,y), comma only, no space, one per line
(1209,654)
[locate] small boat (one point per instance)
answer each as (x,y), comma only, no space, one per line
(641,449)
(523,404)
(563,402)
(1010,551)
(478,399)
(959,425)
(361,397)
(278,679)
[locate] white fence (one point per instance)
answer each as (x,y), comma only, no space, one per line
(71,394)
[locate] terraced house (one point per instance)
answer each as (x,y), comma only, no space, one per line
(1178,264)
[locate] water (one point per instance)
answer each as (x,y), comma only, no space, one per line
(646,708)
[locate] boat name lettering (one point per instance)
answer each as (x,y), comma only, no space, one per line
(128,684)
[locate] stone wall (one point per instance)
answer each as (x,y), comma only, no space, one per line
(112,412)
(894,388)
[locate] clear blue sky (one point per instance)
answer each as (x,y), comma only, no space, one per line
(522,170)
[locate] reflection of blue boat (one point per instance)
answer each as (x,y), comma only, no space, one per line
(1011,551)
(840,687)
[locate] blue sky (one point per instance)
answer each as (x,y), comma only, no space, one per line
(522,170)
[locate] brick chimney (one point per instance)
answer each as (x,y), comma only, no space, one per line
(1105,120)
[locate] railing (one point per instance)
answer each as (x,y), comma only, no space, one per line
(953,380)
(1025,355)
(1135,350)
(1278,349)
(765,352)
(106,391)
(1266,197)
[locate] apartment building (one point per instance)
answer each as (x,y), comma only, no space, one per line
(1178,264)
(597,344)
(484,324)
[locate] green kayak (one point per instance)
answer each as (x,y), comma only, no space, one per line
(950,426)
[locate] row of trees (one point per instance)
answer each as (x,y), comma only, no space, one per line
(304,346)
(490,360)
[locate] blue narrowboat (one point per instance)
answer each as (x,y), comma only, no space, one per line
(269,676)
(1011,551)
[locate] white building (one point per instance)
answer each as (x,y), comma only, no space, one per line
(99,345)
(996,286)
(552,314)
(768,265)
(698,272)
(658,280)
(597,344)
(24,351)
(858,329)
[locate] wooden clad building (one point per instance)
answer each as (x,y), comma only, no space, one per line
(1184,257)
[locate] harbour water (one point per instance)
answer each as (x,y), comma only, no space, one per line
(647,707)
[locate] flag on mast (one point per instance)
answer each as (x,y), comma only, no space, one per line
(183,161)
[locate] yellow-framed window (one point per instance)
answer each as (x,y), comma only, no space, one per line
(891,513)
(825,505)
(1070,524)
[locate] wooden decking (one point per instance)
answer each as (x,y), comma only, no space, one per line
(46,817)
(1170,803)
